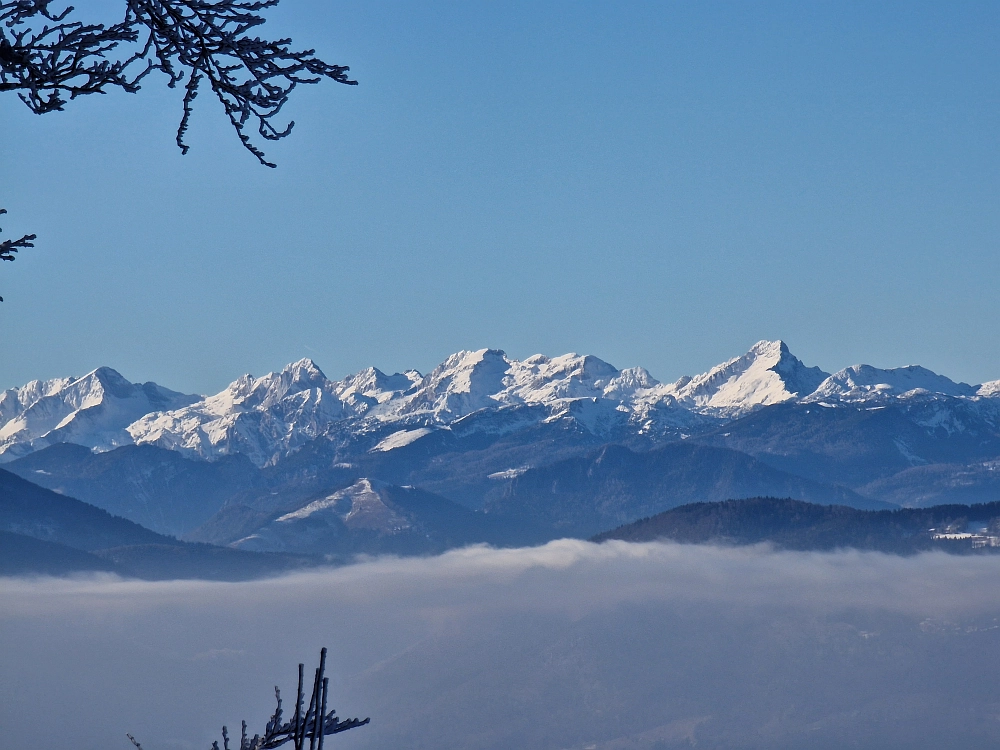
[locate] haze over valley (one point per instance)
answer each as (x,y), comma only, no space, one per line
(451,393)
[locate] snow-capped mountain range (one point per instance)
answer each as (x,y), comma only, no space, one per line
(95,410)
(267,418)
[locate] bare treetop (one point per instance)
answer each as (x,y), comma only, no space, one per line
(49,58)
(310,722)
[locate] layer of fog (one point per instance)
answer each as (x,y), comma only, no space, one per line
(570,645)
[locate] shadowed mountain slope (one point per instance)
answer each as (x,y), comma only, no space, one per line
(367,517)
(549,446)
(22,555)
(939,484)
(34,511)
(579,496)
(45,533)
(856,445)
(791,524)
(152,486)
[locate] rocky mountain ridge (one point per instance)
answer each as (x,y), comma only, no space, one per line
(270,417)
(792,524)
(486,448)
(95,410)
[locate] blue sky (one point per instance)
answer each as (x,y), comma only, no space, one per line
(657,184)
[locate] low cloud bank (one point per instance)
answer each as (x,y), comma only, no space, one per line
(569,645)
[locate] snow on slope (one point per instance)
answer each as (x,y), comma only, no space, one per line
(358,507)
(266,418)
(94,410)
(542,380)
(867,383)
(400,439)
(989,390)
(15,400)
(463,383)
(469,381)
(767,374)
(370,387)
(260,417)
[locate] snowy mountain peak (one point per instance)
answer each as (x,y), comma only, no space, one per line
(270,389)
(462,384)
(364,506)
(867,383)
(111,381)
(304,371)
(374,384)
(360,503)
(93,410)
(269,417)
(769,349)
(547,380)
(13,401)
(586,369)
(263,418)
(297,376)
(637,377)
(990,389)
(767,374)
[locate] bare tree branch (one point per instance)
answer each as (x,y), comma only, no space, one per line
(9,248)
(313,725)
(49,59)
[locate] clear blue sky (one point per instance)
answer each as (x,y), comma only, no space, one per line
(657,184)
